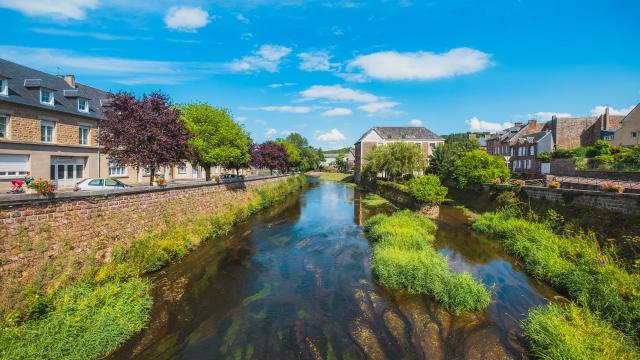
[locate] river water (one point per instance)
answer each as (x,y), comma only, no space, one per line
(295,282)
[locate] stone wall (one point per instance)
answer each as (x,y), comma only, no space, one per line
(32,228)
(566,167)
(404,200)
(621,203)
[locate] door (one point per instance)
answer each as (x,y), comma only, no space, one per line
(545,168)
(67,171)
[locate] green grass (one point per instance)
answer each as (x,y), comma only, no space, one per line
(404,258)
(374,200)
(333,176)
(572,263)
(92,317)
(574,333)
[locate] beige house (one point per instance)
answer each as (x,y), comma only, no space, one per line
(426,139)
(48,126)
(629,132)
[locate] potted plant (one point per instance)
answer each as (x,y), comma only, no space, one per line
(160,181)
(43,187)
(611,187)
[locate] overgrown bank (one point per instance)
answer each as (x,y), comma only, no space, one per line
(572,262)
(404,258)
(109,302)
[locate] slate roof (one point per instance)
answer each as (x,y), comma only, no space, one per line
(24,89)
(534,137)
(405,133)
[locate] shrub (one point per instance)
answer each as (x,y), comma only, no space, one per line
(611,187)
(544,156)
(563,154)
(403,258)
(572,332)
(518,183)
(427,189)
(604,159)
(43,187)
(553,184)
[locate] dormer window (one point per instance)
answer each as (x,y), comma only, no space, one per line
(4,87)
(83,105)
(46,97)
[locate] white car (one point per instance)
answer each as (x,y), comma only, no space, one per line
(93,184)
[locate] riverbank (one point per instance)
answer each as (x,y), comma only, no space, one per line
(103,304)
(330,176)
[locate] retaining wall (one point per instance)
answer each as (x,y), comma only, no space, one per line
(402,199)
(622,203)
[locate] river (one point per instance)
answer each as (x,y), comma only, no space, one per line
(294,282)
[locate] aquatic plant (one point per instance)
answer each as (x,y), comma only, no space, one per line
(573,332)
(572,263)
(404,258)
(110,302)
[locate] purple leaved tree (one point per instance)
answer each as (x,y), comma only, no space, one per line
(269,155)
(144,133)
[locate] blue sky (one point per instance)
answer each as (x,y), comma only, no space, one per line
(332,69)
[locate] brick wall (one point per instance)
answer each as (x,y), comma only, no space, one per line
(33,228)
(621,203)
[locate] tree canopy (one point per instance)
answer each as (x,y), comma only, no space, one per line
(293,152)
(396,159)
(217,139)
(310,157)
(442,161)
(144,133)
(477,167)
(270,155)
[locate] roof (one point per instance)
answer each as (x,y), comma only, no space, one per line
(25,84)
(534,137)
(635,112)
(403,133)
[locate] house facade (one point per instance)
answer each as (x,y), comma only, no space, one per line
(629,132)
(422,137)
(49,125)
(526,150)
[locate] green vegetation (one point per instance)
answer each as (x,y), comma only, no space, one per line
(310,157)
(572,262)
(111,302)
(571,332)
(404,258)
(342,177)
(374,200)
(394,161)
(602,156)
(443,159)
(477,167)
(427,189)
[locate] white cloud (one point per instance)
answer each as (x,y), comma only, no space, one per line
(275,86)
(421,65)
(285,108)
(599,110)
(63,10)
(242,18)
(95,35)
(337,112)
(186,18)
(267,58)
(547,115)
(378,106)
(337,93)
(270,132)
(476,124)
(246,36)
(317,61)
(415,122)
(332,136)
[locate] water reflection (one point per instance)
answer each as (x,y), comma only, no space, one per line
(295,282)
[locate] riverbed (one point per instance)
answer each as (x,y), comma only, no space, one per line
(294,282)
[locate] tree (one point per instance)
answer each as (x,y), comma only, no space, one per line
(396,159)
(292,151)
(427,189)
(270,155)
(310,157)
(144,133)
(341,161)
(217,139)
(441,162)
(478,167)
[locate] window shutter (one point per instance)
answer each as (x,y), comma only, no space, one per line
(14,162)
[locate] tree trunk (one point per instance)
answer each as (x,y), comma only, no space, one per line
(271,169)
(207,173)
(153,175)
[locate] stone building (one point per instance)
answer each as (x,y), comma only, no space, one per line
(48,126)
(426,139)
(629,132)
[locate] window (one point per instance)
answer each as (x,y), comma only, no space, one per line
(527,164)
(110,182)
(96,182)
(4,87)
(83,135)
(532,150)
(46,131)
(634,134)
(83,105)
(182,169)
(46,97)
(511,151)
(14,165)
(194,171)
(116,170)
(3,126)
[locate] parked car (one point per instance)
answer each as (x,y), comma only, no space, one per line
(227,178)
(93,184)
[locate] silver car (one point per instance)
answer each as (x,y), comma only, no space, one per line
(93,184)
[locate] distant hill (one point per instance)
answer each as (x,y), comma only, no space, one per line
(335,151)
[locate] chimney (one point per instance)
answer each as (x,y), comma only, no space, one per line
(605,119)
(533,124)
(71,80)
(518,124)
(553,117)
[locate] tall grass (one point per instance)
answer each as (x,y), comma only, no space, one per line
(574,333)
(573,264)
(404,258)
(93,317)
